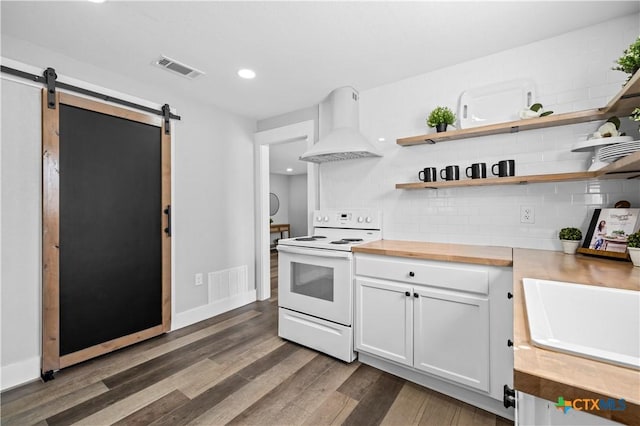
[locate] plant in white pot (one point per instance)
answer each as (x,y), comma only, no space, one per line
(570,238)
(633,245)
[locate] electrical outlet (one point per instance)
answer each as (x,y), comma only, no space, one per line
(199,278)
(527,214)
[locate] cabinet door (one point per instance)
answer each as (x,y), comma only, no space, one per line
(452,336)
(384,320)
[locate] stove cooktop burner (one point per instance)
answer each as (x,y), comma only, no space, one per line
(347,241)
(312,238)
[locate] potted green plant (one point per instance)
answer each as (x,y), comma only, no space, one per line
(440,118)
(630,61)
(570,238)
(635,115)
(633,246)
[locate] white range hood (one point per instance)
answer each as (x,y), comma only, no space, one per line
(345,141)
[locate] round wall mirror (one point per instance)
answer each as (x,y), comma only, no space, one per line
(274,204)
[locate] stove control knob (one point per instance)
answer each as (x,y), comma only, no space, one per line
(368,220)
(319,219)
(360,219)
(326,218)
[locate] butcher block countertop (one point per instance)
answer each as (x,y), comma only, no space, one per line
(481,255)
(549,374)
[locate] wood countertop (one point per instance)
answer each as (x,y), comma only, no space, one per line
(463,253)
(549,374)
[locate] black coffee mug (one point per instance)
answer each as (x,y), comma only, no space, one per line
(450,173)
(478,170)
(429,174)
(505,168)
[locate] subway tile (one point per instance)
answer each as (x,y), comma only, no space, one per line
(590,199)
(573,95)
(591,103)
(632,187)
(578,187)
(603,90)
(604,186)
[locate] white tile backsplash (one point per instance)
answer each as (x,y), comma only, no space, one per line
(572,72)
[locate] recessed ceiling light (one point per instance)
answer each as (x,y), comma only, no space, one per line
(247,73)
(381,139)
(289,169)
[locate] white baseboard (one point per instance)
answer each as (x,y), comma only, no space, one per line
(19,373)
(204,312)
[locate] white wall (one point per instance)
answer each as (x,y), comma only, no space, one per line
(21,231)
(572,72)
(279,185)
(292,192)
(298,205)
(213,200)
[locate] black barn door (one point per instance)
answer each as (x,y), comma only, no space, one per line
(111,245)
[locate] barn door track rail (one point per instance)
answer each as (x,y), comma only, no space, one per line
(49,79)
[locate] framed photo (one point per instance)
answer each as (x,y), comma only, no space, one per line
(608,232)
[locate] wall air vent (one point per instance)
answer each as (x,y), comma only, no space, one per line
(177,67)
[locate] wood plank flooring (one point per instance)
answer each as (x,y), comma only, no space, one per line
(231,369)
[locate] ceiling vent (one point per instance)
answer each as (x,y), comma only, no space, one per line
(177,67)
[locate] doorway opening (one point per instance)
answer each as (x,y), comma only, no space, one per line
(301,135)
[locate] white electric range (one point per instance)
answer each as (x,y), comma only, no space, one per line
(315,280)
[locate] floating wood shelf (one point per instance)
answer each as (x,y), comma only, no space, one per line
(626,168)
(621,105)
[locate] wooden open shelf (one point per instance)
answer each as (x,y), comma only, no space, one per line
(625,168)
(621,105)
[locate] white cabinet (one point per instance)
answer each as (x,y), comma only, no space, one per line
(440,332)
(451,336)
(385,316)
(444,325)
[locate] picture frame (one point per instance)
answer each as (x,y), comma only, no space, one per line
(608,232)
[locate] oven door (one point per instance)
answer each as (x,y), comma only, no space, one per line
(316,282)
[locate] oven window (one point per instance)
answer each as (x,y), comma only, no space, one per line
(312,280)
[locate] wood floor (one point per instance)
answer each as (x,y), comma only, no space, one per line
(231,369)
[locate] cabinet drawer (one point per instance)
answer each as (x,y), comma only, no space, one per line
(447,275)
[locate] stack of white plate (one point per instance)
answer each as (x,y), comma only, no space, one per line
(612,153)
(596,143)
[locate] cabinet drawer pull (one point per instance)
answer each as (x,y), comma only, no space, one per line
(415,295)
(412,274)
(406,293)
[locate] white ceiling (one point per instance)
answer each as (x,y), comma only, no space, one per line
(301,51)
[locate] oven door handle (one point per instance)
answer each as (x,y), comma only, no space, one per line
(315,252)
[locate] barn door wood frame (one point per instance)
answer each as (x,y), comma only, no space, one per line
(52,359)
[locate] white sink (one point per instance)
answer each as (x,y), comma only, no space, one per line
(594,322)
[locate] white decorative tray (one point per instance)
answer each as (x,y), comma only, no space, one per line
(496,103)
